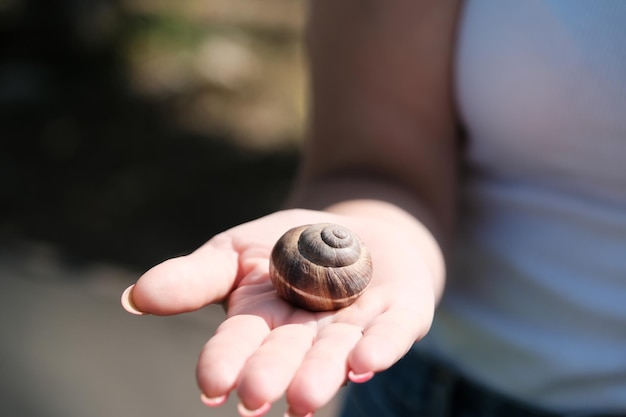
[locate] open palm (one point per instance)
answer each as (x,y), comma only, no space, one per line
(266,347)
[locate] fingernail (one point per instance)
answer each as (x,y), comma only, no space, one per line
(291,414)
(213,401)
(360,378)
(127,303)
(244,412)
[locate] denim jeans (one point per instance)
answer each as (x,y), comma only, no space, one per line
(418,386)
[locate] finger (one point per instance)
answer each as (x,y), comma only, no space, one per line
(387,339)
(270,369)
(323,370)
(225,354)
(186,283)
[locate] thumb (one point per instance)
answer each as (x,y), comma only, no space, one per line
(186,283)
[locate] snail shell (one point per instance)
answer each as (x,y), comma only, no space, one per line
(320,267)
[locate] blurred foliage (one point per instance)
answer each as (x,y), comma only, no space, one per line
(134,130)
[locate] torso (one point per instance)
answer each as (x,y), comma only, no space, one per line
(535,305)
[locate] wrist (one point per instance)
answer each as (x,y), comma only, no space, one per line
(377,204)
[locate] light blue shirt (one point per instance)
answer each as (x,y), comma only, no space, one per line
(535,305)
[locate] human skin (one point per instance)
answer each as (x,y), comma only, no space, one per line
(380,159)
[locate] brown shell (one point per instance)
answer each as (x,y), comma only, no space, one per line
(320,267)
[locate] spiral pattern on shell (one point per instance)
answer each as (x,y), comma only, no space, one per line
(320,267)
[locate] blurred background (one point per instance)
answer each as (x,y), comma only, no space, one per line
(131,131)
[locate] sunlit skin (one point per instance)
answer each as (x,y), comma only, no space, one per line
(267,347)
(381,160)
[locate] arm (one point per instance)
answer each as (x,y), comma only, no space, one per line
(383,128)
(380,159)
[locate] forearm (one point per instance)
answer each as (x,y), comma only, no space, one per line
(382,108)
(382,136)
